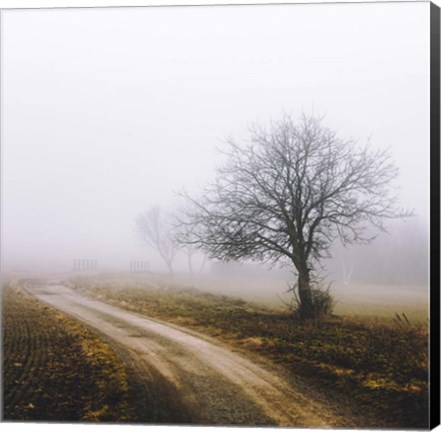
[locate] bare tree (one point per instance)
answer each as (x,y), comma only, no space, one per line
(287,194)
(189,250)
(156,232)
(347,268)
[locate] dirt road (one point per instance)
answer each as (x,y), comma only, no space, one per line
(189,377)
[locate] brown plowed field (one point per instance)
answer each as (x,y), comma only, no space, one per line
(56,370)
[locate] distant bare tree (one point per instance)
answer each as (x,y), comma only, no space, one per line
(155,230)
(347,268)
(286,196)
(189,251)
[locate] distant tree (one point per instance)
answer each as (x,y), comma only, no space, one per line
(156,231)
(189,251)
(287,194)
(195,261)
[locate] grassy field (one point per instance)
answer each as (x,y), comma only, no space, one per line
(56,370)
(378,365)
(357,299)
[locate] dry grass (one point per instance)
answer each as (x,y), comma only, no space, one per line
(380,365)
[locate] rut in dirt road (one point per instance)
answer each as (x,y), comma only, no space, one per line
(191,378)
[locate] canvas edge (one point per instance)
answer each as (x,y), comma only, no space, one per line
(434,370)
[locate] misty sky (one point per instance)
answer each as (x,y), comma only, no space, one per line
(109,111)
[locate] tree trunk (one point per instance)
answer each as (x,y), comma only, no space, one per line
(201,268)
(170,266)
(306,309)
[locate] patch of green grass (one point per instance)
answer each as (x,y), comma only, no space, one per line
(381,365)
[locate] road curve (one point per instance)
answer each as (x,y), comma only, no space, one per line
(194,379)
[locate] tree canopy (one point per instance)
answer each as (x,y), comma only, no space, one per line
(288,193)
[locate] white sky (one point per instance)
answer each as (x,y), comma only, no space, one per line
(107,111)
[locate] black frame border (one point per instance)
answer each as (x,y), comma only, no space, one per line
(434,369)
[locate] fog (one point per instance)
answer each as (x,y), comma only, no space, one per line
(107,112)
